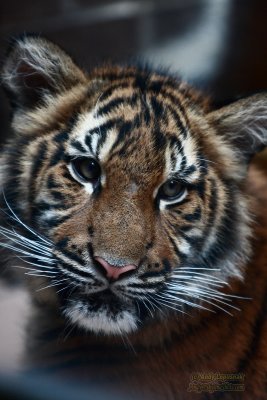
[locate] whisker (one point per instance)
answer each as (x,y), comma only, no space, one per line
(22,223)
(22,240)
(35,264)
(169,304)
(188,302)
(18,250)
(38,275)
(52,285)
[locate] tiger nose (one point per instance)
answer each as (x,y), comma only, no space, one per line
(113,272)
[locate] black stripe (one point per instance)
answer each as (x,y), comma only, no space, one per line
(57,195)
(57,156)
(142,81)
(69,267)
(226,234)
(189,170)
(78,146)
(156,86)
(167,265)
(195,216)
(203,164)
(146,114)
(51,183)
(61,137)
(157,107)
(200,188)
(45,206)
(103,128)
(107,108)
(102,131)
(124,130)
(159,139)
(108,92)
(181,128)
(72,256)
(39,158)
(144,285)
(177,102)
(54,222)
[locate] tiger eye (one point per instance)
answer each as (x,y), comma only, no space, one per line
(171,189)
(86,168)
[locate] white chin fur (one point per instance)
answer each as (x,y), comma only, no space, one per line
(102,322)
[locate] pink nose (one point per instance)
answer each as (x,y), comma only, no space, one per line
(114,271)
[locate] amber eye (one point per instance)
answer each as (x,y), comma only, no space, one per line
(171,190)
(86,168)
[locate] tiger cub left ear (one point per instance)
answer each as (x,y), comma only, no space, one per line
(243,124)
(34,68)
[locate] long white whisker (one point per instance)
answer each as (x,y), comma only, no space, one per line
(197,269)
(204,277)
(153,302)
(169,304)
(15,249)
(26,268)
(202,294)
(34,244)
(23,224)
(26,246)
(38,274)
(178,299)
(148,309)
(199,290)
(52,285)
(190,279)
(65,287)
(26,253)
(22,258)
(22,239)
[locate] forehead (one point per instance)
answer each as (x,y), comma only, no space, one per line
(149,128)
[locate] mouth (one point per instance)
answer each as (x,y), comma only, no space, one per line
(103,312)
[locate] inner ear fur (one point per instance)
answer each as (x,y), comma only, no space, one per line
(35,67)
(243,124)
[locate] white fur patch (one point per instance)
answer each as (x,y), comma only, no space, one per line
(189,151)
(105,149)
(87,122)
(101,321)
(184,246)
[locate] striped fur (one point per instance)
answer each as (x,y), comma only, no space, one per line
(196,302)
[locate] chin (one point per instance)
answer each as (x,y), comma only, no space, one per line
(103,314)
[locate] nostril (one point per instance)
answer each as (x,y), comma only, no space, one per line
(113,272)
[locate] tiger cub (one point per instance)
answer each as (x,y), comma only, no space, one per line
(129,203)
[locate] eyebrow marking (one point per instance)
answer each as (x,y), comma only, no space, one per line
(77,145)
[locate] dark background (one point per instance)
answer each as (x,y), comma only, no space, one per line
(219,45)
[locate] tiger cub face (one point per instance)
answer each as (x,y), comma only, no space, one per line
(126,193)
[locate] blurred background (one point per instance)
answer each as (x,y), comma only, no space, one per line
(220,46)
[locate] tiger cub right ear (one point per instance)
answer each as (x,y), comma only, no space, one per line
(35,68)
(243,125)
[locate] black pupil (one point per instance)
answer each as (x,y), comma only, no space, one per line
(171,188)
(87,168)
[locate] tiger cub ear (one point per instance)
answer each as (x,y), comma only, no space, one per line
(36,67)
(243,124)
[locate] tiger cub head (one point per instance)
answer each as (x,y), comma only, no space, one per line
(125,192)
